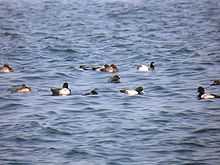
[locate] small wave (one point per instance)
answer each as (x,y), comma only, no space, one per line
(56,131)
(15,35)
(121,45)
(52,37)
(11,106)
(56,49)
(182,50)
(120,37)
(195,144)
(32,139)
(205,130)
(63,74)
(199,69)
(183,150)
(78,153)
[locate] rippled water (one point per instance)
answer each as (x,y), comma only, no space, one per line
(45,41)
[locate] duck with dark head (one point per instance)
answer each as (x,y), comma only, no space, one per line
(203,95)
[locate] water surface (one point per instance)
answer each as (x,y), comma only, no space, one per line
(45,42)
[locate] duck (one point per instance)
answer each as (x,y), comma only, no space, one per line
(138,91)
(110,68)
(92,92)
(84,67)
(99,68)
(216,82)
(115,79)
(64,91)
(22,89)
(145,68)
(203,95)
(6,68)
(106,68)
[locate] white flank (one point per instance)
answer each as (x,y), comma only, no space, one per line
(23,90)
(64,91)
(132,92)
(207,96)
(143,68)
(4,69)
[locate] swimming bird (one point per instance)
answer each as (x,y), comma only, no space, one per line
(22,89)
(64,91)
(216,82)
(93,92)
(131,92)
(6,68)
(106,68)
(115,79)
(203,95)
(99,68)
(84,67)
(110,68)
(145,68)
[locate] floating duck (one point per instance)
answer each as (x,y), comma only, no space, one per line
(110,68)
(93,92)
(115,79)
(203,95)
(22,89)
(84,67)
(64,91)
(145,68)
(6,68)
(131,92)
(106,68)
(99,68)
(216,82)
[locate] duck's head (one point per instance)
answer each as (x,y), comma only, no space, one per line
(140,90)
(93,92)
(82,67)
(106,65)
(65,85)
(23,86)
(6,65)
(152,64)
(116,77)
(113,66)
(201,90)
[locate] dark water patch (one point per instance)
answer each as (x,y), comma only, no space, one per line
(52,37)
(55,131)
(70,58)
(199,69)
(52,113)
(16,161)
(36,116)
(11,106)
(183,50)
(184,151)
(32,140)
(191,162)
(58,49)
(207,63)
(207,130)
(88,109)
(13,35)
(77,153)
(192,144)
(60,74)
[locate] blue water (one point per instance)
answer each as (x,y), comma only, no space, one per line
(45,41)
